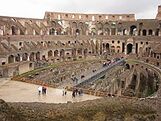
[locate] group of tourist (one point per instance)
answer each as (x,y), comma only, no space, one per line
(76,92)
(42,90)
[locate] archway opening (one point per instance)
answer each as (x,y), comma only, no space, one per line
(62,53)
(32,56)
(132,30)
(77,32)
(85,52)
(56,53)
(79,51)
(129,48)
(38,56)
(144,32)
(24,57)
(150,32)
(17,58)
(52,31)
(14,30)
(11,59)
(50,53)
(157,32)
(74,52)
(127,66)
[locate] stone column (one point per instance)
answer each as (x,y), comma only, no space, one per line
(47,32)
(26,32)
(20,58)
(34,32)
(125,51)
(133,49)
(160,33)
(28,57)
(141,32)
(10,32)
(18,32)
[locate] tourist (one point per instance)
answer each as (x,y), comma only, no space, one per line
(65,91)
(44,90)
(39,90)
(73,94)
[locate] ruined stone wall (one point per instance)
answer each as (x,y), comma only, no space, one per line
(97,110)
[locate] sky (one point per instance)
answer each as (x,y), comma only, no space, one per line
(143,9)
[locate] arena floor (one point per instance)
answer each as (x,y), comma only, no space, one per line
(14,91)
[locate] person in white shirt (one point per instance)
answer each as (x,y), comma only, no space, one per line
(39,89)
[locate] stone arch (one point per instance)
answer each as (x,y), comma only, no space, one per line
(17,58)
(113,49)
(93,31)
(99,28)
(106,25)
(142,85)
(118,49)
(144,32)
(74,52)
(129,48)
(56,53)
(50,53)
(52,31)
(32,56)
(53,23)
(77,31)
(80,25)
(104,46)
(124,31)
(74,25)
(38,56)
(107,47)
(132,30)
(141,49)
(157,32)
(127,66)
(113,31)
(14,30)
(106,29)
(24,57)
(133,82)
(11,59)
(85,52)
(62,53)
(150,32)
(79,51)
(59,31)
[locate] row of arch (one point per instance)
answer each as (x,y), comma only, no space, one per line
(107,48)
(37,56)
(99,29)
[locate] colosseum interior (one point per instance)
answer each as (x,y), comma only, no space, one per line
(107,55)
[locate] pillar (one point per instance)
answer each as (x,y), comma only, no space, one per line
(20,58)
(133,49)
(28,57)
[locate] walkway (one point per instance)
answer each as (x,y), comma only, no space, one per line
(98,74)
(13,91)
